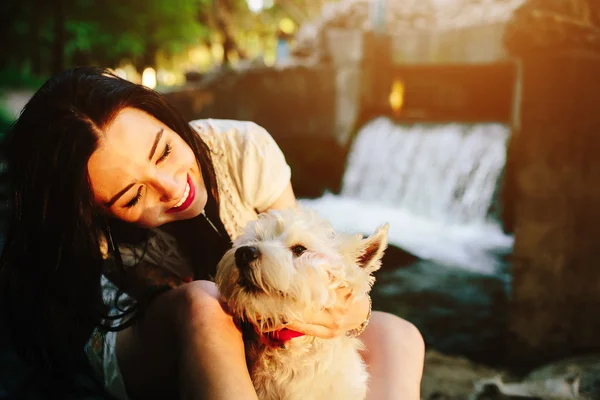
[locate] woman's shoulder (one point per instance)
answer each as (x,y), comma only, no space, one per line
(247,156)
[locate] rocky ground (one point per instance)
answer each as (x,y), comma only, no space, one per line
(452,377)
(456,378)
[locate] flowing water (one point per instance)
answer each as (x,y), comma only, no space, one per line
(436,185)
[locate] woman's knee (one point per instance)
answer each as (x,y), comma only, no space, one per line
(198,307)
(400,331)
(173,313)
(195,302)
(151,350)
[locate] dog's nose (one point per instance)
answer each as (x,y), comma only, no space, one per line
(245,255)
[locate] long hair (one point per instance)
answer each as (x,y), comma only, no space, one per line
(51,265)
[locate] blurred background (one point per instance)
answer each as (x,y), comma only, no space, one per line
(469,125)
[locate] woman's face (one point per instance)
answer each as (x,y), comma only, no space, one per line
(144,173)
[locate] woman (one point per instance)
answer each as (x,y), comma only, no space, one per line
(108,181)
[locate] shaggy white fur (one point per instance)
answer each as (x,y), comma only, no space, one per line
(286,265)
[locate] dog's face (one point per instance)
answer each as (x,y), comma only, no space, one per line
(289,263)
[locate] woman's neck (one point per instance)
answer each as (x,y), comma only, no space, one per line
(203,240)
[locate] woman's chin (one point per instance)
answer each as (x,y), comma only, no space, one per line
(192,211)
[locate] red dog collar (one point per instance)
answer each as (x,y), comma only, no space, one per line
(278,338)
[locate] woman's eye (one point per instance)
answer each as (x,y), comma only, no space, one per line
(165,153)
(298,249)
(135,200)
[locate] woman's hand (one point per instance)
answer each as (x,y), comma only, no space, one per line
(345,315)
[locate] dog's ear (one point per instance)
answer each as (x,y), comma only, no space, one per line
(372,249)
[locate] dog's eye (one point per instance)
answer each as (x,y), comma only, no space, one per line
(298,249)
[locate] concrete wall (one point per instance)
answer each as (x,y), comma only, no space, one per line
(295,101)
(479,44)
(554,186)
(296,105)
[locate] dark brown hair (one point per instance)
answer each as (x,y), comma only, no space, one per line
(51,265)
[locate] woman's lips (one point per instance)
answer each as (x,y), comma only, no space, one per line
(187,199)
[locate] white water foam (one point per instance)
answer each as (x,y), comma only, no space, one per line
(434,184)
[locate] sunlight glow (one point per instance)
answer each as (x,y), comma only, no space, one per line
(121,73)
(149,78)
(256,6)
(165,77)
(396,97)
(287,25)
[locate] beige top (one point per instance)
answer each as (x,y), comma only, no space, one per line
(251,173)
(250,168)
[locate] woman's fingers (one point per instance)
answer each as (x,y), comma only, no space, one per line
(328,319)
(334,321)
(315,330)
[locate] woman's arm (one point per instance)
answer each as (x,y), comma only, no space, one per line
(287,199)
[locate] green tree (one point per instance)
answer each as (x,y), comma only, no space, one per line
(47,36)
(136,32)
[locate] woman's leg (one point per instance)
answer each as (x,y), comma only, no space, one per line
(395,355)
(185,346)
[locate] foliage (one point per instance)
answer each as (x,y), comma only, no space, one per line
(6,121)
(128,30)
(19,78)
(42,37)
(99,32)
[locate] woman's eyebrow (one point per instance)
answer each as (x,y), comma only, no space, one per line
(155,145)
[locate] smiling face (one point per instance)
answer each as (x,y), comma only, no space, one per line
(144,173)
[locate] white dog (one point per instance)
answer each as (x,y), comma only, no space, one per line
(285,266)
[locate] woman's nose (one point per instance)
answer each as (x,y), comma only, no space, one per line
(167,186)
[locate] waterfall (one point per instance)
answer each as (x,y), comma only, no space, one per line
(448,173)
(434,183)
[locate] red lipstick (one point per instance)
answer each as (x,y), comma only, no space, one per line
(188,201)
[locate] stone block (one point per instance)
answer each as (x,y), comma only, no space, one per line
(556,169)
